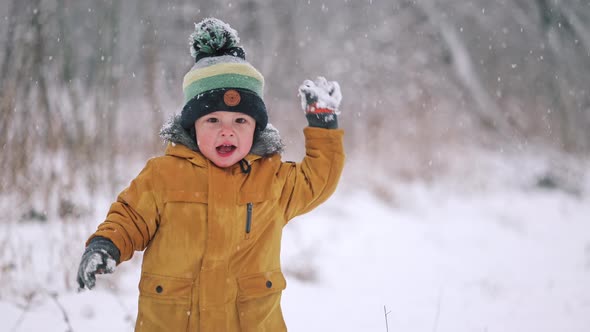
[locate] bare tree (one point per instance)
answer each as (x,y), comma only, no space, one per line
(487,110)
(416,75)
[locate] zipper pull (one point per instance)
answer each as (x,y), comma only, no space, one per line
(248,219)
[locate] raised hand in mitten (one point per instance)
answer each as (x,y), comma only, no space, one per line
(320,100)
(101,256)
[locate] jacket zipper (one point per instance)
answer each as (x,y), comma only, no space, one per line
(248,219)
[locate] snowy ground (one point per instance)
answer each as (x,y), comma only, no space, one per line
(508,260)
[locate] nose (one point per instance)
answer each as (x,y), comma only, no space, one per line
(226,130)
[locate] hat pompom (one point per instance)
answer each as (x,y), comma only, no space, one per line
(213,37)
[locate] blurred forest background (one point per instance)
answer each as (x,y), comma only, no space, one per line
(85,85)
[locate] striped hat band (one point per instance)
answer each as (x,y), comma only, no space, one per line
(222,75)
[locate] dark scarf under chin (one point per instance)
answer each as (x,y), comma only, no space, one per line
(267,143)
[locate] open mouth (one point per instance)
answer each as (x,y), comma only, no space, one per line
(225,149)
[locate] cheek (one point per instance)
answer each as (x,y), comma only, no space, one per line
(247,137)
(204,138)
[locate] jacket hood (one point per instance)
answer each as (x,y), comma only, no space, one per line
(268,143)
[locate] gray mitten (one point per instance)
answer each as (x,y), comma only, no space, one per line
(101,256)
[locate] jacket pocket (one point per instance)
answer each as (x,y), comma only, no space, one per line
(184,205)
(185,196)
(257,196)
(182,229)
(258,212)
(164,303)
(259,299)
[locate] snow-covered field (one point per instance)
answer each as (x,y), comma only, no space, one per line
(503,259)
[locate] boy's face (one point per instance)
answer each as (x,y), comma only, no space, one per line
(225,137)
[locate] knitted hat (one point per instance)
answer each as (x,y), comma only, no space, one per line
(221,79)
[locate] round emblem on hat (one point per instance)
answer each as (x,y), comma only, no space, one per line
(231,98)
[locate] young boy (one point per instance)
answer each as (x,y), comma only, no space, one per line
(210,213)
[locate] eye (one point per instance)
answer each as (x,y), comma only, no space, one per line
(212,120)
(241,120)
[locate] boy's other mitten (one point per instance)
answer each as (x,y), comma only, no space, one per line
(101,256)
(320,100)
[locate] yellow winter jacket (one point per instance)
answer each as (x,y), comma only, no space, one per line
(212,236)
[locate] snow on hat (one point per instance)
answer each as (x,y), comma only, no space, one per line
(221,79)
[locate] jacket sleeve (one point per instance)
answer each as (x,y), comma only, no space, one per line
(133,219)
(312,181)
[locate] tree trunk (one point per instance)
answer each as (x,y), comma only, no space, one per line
(488,111)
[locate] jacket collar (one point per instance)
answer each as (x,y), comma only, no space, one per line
(197,158)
